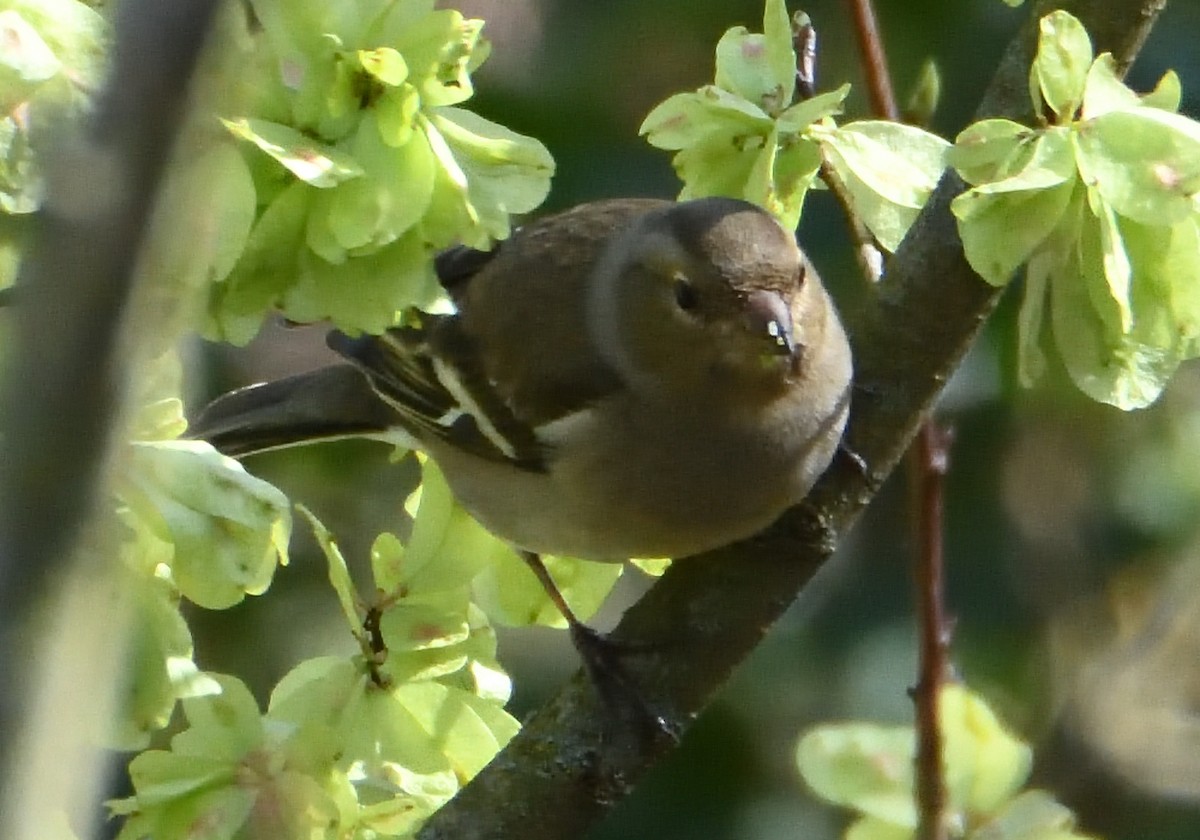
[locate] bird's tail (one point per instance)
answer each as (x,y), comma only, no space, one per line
(325,404)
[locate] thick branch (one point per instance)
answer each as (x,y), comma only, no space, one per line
(565,769)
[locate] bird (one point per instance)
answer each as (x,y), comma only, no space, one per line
(627,378)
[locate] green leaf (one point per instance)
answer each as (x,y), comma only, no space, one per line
(223,726)
(1167,94)
(780,50)
(201,225)
(870,828)
(339,573)
(227,769)
(451,718)
(1060,69)
(760,68)
(985,765)
(707,115)
(365,293)
(779,178)
(384,64)
(1032,815)
(808,111)
(509,593)
(441,48)
(42,33)
(21,184)
(447,548)
(160,776)
(228,528)
(469,663)
(716,168)
(1105,91)
(25,56)
(314,163)
(992,150)
(1117,270)
(380,737)
(375,211)
(1002,223)
(654,567)
(862,766)
(1109,367)
(889,169)
(1145,162)
(396,114)
(1031,362)
(267,266)
(505,172)
(1166,296)
(427,623)
(159,664)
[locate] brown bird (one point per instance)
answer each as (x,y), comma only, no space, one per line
(629,378)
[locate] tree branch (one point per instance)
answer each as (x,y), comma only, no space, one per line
(564,770)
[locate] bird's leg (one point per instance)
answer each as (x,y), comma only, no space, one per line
(601,658)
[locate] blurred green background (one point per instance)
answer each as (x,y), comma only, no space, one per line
(1073,529)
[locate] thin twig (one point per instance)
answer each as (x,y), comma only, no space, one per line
(870,45)
(927,465)
(866,249)
(930,461)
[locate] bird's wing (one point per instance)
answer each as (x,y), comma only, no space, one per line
(429,374)
(524,310)
(517,356)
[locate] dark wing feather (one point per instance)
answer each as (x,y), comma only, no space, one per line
(427,372)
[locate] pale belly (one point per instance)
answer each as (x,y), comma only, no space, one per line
(673,491)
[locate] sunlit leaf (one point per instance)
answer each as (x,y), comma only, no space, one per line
(509,592)
(339,574)
(1104,90)
(985,764)
(862,766)
(1063,58)
(889,169)
(229,529)
(311,162)
(1145,162)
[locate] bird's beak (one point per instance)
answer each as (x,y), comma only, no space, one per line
(770,316)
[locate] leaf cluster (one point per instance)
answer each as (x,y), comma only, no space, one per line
(870,769)
(744,136)
(1099,204)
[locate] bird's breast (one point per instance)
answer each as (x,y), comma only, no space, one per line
(646,480)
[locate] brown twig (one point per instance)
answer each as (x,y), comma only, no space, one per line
(928,461)
(870,45)
(930,457)
(866,249)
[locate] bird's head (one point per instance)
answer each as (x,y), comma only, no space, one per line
(707,294)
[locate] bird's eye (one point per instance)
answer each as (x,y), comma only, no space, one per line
(685,293)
